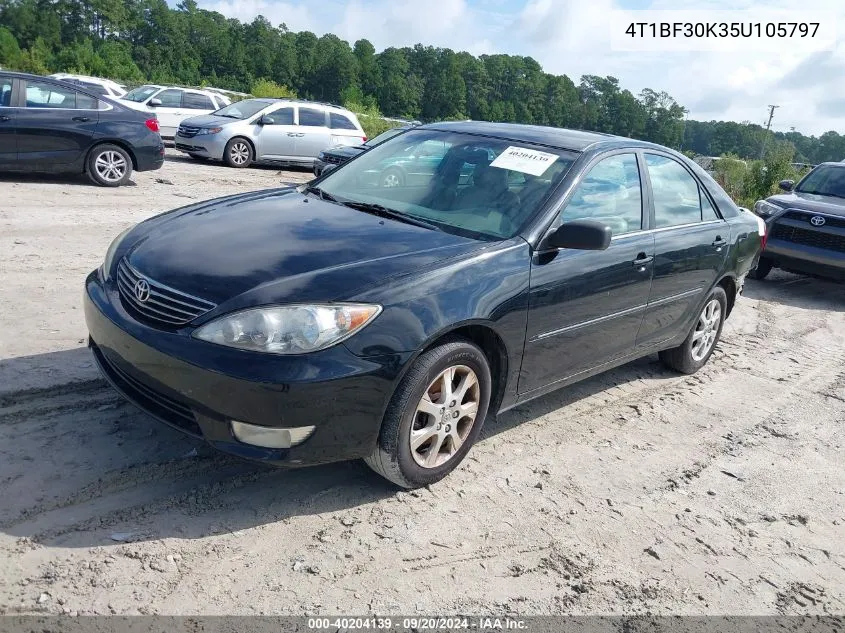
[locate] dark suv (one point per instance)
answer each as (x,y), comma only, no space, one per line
(805,227)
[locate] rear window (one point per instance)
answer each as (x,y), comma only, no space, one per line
(312,117)
(340,122)
(196,101)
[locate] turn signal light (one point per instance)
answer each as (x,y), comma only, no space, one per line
(152,124)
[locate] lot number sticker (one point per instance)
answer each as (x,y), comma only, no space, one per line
(528,161)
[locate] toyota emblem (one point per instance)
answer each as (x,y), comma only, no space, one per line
(817,220)
(142,290)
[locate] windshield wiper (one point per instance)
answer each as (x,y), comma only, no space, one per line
(319,192)
(230,116)
(377,209)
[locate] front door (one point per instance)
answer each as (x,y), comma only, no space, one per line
(8,139)
(276,140)
(691,243)
(170,113)
(585,307)
(56,126)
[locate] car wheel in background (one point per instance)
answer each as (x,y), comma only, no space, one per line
(238,153)
(763,268)
(435,415)
(109,165)
(392,177)
(694,352)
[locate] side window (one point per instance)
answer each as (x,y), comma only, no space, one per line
(170,98)
(677,196)
(708,212)
(312,117)
(84,102)
(196,101)
(340,122)
(282,116)
(609,193)
(5,92)
(40,94)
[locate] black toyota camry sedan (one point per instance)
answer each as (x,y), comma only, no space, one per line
(345,320)
(49,125)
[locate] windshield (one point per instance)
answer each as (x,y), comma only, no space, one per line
(384,136)
(825,180)
(140,94)
(242,109)
(479,187)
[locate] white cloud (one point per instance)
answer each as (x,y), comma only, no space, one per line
(573,37)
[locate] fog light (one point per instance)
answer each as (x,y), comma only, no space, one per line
(270,437)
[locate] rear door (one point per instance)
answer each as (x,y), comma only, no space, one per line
(585,307)
(55,126)
(313,135)
(691,243)
(276,141)
(8,136)
(170,113)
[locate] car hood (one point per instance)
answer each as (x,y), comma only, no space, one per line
(814,203)
(209,120)
(282,246)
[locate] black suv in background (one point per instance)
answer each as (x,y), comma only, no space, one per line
(334,156)
(805,227)
(47,125)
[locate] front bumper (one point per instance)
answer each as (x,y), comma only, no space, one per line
(199,388)
(207,145)
(806,259)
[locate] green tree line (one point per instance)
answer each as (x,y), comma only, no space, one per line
(146,40)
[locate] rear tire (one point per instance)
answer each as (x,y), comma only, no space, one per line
(238,153)
(391,177)
(441,403)
(763,268)
(109,165)
(695,351)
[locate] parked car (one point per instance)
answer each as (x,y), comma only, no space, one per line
(172,104)
(806,225)
(334,156)
(48,125)
(343,319)
(269,130)
(100,87)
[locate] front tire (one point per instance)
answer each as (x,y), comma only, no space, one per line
(762,269)
(238,153)
(109,165)
(434,417)
(392,177)
(696,350)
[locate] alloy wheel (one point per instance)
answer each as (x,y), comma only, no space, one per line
(391,180)
(111,166)
(445,416)
(706,329)
(239,153)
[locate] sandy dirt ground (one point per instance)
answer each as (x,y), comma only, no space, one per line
(639,491)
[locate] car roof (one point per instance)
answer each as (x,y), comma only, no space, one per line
(560,138)
(306,102)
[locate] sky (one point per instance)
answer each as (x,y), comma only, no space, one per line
(572,37)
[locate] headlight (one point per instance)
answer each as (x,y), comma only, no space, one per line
(765,209)
(109,259)
(209,130)
(296,329)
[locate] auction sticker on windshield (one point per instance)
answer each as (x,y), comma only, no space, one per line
(528,161)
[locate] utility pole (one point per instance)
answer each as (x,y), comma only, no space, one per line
(768,127)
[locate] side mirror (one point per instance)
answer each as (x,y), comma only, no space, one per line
(584,235)
(266,120)
(154,103)
(786,185)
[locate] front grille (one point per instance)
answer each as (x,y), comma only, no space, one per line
(334,159)
(189,148)
(806,216)
(817,239)
(187,131)
(163,305)
(158,405)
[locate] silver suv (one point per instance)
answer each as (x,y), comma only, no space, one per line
(269,130)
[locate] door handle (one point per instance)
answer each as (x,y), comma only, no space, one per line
(81,119)
(300,135)
(5,118)
(719,243)
(642,261)
(291,134)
